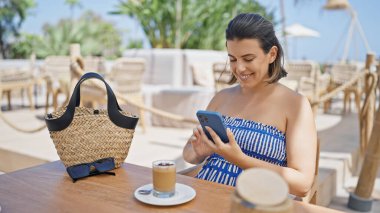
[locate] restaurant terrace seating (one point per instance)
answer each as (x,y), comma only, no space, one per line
(127,77)
(222,75)
(202,74)
(305,77)
(19,79)
(57,70)
(90,94)
(340,74)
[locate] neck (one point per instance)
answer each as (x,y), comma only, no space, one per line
(258,90)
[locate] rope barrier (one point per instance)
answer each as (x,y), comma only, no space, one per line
(78,71)
(338,89)
(9,123)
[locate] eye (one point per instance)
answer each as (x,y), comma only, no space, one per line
(232,60)
(248,59)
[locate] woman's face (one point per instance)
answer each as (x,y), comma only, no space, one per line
(249,63)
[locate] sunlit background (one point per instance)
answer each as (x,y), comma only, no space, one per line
(126,31)
(332,25)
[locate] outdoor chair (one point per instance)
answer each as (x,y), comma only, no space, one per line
(90,94)
(305,77)
(202,74)
(57,70)
(95,64)
(222,75)
(16,79)
(340,74)
(127,78)
(311,196)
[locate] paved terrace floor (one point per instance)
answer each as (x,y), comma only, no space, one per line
(339,146)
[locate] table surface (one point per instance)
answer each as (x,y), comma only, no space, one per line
(48,188)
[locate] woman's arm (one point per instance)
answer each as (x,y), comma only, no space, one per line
(189,154)
(301,147)
(195,150)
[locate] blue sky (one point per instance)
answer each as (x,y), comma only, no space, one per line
(332,25)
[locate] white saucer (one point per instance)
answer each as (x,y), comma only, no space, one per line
(183,194)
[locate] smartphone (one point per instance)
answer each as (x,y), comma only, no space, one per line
(213,120)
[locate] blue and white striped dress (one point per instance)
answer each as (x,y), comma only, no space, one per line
(256,140)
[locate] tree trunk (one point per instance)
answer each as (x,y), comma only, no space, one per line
(2,45)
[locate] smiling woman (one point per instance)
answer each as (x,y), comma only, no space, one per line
(269,125)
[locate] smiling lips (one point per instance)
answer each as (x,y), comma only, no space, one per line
(244,77)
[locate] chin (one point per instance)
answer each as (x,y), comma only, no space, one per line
(248,84)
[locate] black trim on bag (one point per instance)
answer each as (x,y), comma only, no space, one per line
(114,109)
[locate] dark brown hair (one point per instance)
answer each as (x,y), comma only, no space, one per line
(254,26)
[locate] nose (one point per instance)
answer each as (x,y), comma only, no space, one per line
(240,66)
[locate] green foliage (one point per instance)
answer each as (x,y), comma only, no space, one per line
(199,25)
(12,15)
(135,44)
(24,46)
(73,3)
(96,37)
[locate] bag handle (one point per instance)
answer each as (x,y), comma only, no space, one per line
(62,122)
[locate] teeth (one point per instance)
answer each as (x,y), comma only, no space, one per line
(244,77)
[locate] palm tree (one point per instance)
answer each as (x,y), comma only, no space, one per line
(96,36)
(195,24)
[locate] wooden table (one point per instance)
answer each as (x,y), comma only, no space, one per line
(48,188)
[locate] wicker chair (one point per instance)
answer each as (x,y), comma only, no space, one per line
(57,68)
(222,75)
(16,79)
(341,73)
(309,80)
(94,64)
(312,194)
(305,77)
(127,77)
(202,74)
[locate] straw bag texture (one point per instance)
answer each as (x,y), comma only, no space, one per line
(83,135)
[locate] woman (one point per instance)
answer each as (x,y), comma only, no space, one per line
(268,125)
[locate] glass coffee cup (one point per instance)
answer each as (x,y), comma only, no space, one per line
(164,178)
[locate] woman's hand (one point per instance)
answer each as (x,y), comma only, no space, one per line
(201,149)
(230,151)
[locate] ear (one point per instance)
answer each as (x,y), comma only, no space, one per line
(272,54)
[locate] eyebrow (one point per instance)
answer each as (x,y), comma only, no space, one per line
(249,54)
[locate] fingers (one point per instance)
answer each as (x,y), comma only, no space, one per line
(230,136)
(215,137)
(192,138)
(196,132)
(205,139)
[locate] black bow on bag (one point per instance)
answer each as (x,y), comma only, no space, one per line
(91,141)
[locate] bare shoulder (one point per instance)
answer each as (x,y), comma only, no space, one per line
(291,101)
(220,97)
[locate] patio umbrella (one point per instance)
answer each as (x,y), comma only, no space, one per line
(299,31)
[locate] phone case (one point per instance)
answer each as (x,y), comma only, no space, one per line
(213,120)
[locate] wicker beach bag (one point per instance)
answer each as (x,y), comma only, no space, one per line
(82,135)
